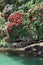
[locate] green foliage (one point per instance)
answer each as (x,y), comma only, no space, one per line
(37,25)
(2,21)
(32,24)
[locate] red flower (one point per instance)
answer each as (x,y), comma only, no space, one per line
(40,14)
(17,24)
(15,20)
(15,17)
(9,26)
(14,23)
(41,8)
(20,21)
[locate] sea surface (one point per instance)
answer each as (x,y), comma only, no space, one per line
(20,60)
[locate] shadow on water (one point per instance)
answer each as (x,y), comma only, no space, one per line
(27,60)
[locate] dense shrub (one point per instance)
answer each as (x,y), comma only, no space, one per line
(32,24)
(25,18)
(16,28)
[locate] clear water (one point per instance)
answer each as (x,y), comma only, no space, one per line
(16,60)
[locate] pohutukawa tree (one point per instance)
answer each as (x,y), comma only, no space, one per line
(21,25)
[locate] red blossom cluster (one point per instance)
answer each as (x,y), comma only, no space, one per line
(40,8)
(38,13)
(9,26)
(15,20)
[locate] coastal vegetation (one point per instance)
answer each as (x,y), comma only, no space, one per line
(21,25)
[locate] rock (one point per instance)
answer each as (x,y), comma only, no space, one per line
(39,53)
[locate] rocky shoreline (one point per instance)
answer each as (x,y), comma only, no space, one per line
(32,50)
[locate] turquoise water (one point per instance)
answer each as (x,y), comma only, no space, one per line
(16,60)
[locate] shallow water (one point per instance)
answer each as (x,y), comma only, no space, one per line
(17,60)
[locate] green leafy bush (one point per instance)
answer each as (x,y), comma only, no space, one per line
(31,24)
(2,21)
